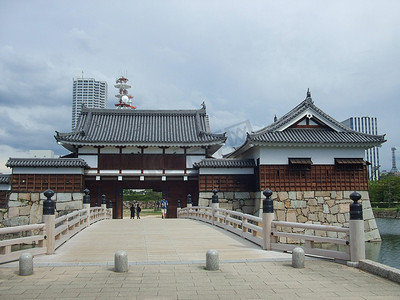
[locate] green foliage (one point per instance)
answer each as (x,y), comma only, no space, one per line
(387,189)
(143,195)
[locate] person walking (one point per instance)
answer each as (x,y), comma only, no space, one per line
(164,204)
(138,210)
(132,211)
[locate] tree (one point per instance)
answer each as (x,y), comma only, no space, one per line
(387,189)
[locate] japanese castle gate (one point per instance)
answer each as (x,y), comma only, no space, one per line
(311,161)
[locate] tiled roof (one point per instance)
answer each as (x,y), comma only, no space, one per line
(314,136)
(5,179)
(47,162)
(122,127)
(225,163)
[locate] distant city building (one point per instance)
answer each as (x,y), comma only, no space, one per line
(368,125)
(87,92)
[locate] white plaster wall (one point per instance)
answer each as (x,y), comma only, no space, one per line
(153,150)
(174,150)
(89,150)
(319,156)
(131,150)
(191,159)
(109,150)
(196,151)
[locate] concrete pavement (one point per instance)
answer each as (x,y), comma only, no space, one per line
(167,260)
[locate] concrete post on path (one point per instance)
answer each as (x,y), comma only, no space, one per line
(357,235)
(49,221)
(86,205)
(267,218)
(178,208)
(214,204)
(110,207)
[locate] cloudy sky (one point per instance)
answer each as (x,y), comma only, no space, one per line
(248,60)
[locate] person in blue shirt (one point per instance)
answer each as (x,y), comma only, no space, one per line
(164,204)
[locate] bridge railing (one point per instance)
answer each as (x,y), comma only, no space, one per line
(285,236)
(49,235)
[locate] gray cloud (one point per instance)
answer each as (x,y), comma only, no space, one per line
(247,60)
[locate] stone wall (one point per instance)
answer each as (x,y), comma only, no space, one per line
(314,207)
(27,208)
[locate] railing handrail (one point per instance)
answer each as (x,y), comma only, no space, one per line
(238,223)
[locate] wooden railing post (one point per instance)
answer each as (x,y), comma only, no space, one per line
(214,204)
(86,205)
(356,224)
(49,221)
(268,217)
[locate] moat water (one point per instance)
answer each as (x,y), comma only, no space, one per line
(388,251)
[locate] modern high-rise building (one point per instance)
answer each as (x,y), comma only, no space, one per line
(368,125)
(87,92)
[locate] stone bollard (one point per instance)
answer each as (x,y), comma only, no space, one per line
(298,258)
(212,260)
(189,201)
(25,264)
(121,261)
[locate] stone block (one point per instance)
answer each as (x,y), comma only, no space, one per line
(332,234)
(287,204)
(207,195)
(64,197)
(331,218)
(15,203)
(299,204)
(249,202)
(36,213)
(366,204)
(334,209)
(330,203)
(372,236)
(35,197)
(320,200)
(13,197)
(322,194)
(305,211)
(203,202)
(16,221)
(372,224)
(283,196)
(333,194)
(313,217)
(79,196)
(291,215)
(312,202)
(309,194)
(299,195)
(229,195)
(344,208)
(292,195)
(242,195)
(302,219)
(225,205)
(315,208)
(279,205)
(248,209)
(339,195)
(364,195)
(13,212)
(326,209)
(25,210)
(368,214)
(72,205)
(280,215)
(341,218)
(24,196)
(321,217)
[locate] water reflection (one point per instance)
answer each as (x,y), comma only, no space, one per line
(388,251)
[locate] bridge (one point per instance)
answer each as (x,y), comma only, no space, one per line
(167,261)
